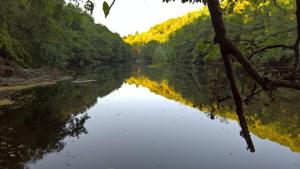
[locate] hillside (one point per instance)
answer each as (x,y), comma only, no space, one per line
(35,34)
(190,38)
(163,31)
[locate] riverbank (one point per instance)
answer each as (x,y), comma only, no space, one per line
(27,79)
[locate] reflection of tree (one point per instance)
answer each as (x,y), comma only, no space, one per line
(217,96)
(164,89)
(42,117)
(205,88)
(31,140)
(75,126)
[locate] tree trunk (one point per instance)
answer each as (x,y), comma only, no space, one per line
(220,37)
(237,98)
(227,48)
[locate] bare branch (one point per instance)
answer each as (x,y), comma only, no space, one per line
(250,42)
(112,4)
(249,68)
(270,47)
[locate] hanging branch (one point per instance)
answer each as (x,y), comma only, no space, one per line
(226,47)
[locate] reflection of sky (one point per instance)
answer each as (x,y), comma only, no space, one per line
(129,16)
(132,128)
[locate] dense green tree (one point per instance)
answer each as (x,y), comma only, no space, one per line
(193,41)
(37,33)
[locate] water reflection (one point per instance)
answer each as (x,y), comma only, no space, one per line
(41,118)
(149,118)
(274,116)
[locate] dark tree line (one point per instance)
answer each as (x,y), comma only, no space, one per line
(53,33)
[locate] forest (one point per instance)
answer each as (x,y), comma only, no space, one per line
(48,33)
(63,34)
(190,39)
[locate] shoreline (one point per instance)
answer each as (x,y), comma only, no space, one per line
(9,86)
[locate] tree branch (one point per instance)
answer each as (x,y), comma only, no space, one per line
(220,37)
(250,42)
(270,47)
(249,68)
(226,47)
(112,4)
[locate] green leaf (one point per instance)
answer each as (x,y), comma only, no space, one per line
(106,8)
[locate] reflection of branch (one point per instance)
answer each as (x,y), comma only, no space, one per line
(246,134)
(246,98)
(75,126)
(253,93)
(237,97)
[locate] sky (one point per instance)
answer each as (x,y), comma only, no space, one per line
(131,16)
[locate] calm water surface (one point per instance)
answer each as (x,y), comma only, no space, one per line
(144,119)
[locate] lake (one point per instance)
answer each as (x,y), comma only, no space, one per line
(136,117)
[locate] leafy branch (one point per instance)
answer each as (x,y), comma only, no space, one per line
(107,8)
